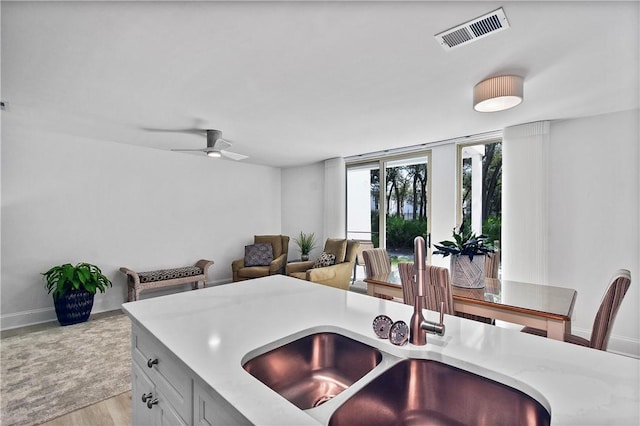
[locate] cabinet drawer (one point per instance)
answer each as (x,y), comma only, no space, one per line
(164,370)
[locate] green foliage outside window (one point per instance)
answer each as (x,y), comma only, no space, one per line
(400,232)
(491,228)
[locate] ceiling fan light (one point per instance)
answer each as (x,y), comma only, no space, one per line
(498,93)
(214,154)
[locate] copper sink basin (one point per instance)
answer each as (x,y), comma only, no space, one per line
(313,369)
(424,392)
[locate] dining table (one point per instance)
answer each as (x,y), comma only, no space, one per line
(540,306)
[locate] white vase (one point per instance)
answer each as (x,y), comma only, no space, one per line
(467,273)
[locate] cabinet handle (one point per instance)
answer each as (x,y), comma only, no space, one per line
(151,403)
(150,362)
(146,396)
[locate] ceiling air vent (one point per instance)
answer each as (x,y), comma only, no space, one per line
(473,30)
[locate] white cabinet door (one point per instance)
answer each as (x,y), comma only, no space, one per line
(166,414)
(148,405)
(210,409)
(141,386)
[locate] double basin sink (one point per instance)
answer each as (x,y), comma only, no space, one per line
(313,371)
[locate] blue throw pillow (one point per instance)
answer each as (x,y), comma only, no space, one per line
(258,255)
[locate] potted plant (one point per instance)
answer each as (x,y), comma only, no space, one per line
(467,257)
(73,289)
(306,243)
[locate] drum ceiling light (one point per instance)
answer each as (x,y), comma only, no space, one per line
(498,93)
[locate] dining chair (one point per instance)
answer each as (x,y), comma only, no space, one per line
(364,245)
(407,279)
(605,316)
(491,264)
(438,287)
(376,262)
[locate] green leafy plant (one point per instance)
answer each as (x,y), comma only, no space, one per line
(465,243)
(305,242)
(64,278)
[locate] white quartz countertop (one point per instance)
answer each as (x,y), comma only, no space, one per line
(214,330)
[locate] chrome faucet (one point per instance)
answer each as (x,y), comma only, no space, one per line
(419,326)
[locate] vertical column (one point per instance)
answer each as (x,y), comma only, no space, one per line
(476,190)
(525,221)
(335,198)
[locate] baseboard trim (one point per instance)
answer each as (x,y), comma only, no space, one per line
(27,318)
(624,346)
(617,344)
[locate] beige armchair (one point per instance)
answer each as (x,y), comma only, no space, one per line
(337,275)
(280,248)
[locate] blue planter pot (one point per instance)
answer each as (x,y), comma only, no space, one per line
(74,307)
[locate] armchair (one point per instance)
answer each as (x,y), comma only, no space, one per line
(280,248)
(337,275)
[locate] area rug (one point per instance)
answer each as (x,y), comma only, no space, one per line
(51,372)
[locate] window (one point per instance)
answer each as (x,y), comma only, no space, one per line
(389,208)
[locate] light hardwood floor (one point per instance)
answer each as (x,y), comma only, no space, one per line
(115,411)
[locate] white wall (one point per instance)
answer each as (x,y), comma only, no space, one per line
(303,205)
(66,199)
(594,187)
(314,200)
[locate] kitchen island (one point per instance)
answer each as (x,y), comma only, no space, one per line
(205,336)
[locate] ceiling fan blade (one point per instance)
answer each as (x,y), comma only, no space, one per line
(190,150)
(221,144)
(233,155)
(188,131)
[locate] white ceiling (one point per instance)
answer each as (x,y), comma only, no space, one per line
(291,83)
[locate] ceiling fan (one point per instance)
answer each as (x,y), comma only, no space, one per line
(216,147)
